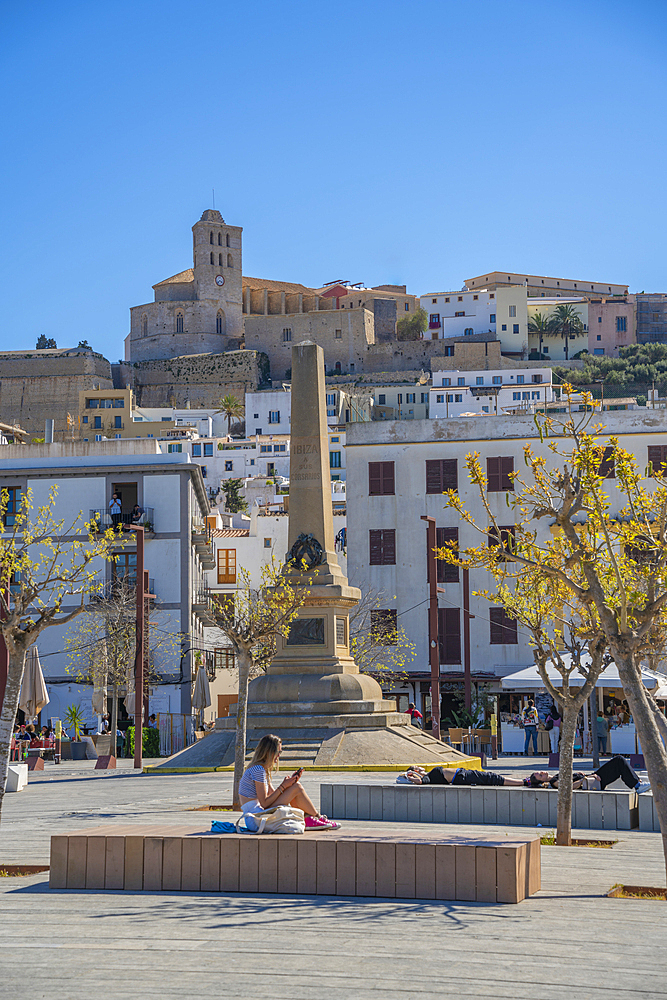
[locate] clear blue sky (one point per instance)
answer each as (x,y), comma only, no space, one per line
(412,142)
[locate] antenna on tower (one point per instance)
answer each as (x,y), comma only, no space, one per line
(213,197)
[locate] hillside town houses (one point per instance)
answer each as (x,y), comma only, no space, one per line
(403,411)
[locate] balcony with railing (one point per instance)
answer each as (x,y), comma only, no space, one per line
(104,519)
(202,605)
(105,590)
(202,540)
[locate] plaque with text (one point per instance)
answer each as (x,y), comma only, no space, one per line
(306,632)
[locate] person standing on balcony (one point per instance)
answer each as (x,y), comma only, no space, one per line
(115,509)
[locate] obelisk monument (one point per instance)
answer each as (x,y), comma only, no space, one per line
(312,672)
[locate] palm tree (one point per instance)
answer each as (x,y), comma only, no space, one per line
(567,322)
(543,326)
(232,408)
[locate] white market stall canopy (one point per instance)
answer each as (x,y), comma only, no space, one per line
(530,680)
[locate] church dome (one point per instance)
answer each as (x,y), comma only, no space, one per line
(211,215)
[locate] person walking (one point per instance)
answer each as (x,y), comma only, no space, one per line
(415,715)
(530,720)
(554,729)
(602,731)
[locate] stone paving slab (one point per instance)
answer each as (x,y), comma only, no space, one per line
(568,942)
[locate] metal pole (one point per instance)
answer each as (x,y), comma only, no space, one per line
(595,746)
(433,649)
(4,652)
(466,638)
(139,654)
(146,643)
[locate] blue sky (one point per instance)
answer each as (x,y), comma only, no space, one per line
(417,143)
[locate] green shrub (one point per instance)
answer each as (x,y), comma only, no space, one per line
(150,742)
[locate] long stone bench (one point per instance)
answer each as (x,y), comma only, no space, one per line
(648,816)
(495,805)
(359,863)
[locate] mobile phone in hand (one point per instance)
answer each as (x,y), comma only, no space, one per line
(297,774)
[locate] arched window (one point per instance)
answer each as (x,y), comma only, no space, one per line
(210,237)
(228,243)
(144,326)
(337,369)
(179,322)
(212,257)
(230,262)
(220,260)
(220,323)
(219,239)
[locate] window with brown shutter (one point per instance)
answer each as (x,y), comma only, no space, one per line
(446,572)
(380,479)
(441,475)
(226,565)
(498,474)
(657,456)
(384,627)
(607,466)
(503,535)
(449,635)
(503,628)
(382,546)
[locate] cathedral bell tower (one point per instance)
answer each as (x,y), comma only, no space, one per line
(217,271)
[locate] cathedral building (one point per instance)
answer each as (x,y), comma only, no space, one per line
(200,310)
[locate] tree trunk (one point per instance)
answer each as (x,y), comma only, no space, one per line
(654,752)
(245,663)
(8,715)
(566,761)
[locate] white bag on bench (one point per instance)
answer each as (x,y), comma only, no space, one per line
(279,819)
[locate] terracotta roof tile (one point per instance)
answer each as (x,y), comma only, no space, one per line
(230,532)
(181,278)
(276,286)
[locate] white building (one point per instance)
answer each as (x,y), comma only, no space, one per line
(489,392)
(269,412)
(170,489)
(464,313)
(209,423)
(397,472)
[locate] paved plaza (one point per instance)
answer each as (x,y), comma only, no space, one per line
(568,941)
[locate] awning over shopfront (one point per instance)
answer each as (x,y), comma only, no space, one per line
(530,680)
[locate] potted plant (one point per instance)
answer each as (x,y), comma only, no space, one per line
(74,719)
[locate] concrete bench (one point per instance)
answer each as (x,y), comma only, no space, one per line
(495,805)
(17,777)
(648,816)
(331,863)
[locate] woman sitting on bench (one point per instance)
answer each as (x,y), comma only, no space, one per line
(458,776)
(257,793)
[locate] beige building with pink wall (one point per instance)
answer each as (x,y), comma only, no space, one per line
(611,325)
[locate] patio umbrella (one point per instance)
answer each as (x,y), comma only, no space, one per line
(34,695)
(100,669)
(201,698)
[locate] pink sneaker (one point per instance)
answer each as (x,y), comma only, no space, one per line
(321,823)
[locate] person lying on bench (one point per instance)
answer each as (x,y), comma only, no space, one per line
(596,781)
(459,776)
(257,793)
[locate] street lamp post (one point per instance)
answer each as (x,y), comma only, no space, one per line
(139,652)
(433,649)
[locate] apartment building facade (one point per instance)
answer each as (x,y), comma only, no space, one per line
(489,392)
(398,472)
(500,311)
(170,491)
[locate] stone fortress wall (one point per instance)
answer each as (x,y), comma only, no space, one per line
(199,379)
(39,385)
